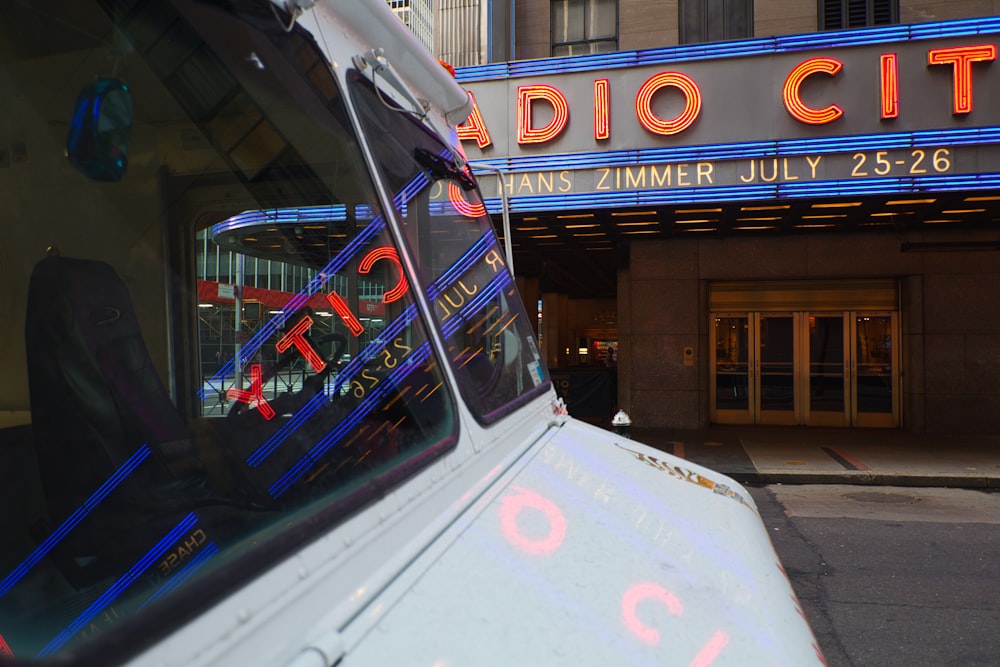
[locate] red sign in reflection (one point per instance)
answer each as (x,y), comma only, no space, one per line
(464,207)
(648,591)
(513,504)
(520,499)
(255,395)
(640,593)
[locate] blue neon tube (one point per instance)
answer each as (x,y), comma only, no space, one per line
(74,519)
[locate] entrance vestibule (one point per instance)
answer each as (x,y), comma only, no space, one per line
(798,354)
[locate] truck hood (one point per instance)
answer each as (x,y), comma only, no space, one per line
(595,550)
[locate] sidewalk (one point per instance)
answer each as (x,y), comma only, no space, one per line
(799,455)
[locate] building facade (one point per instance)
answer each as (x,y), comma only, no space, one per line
(756,212)
(418,16)
(473,32)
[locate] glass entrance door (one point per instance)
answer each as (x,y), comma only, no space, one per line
(731,399)
(776,378)
(875,374)
(806,368)
(828,394)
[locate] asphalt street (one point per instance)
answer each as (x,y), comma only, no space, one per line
(892,576)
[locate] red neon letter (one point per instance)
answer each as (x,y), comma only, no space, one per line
(385,252)
(526,95)
(890,86)
(602,117)
(255,394)
(961,59)
(296,337)
(475,127)
(349,318)
(644,100)
(794,103)
(464,207)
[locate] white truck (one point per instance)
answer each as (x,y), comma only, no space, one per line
(271,396)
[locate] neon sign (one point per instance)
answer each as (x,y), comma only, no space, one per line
(74,519)
(296,337)
(890,86)
(364,267)
(602,112)
(961,59)
(400,360)
(526,97)
(883,78)
(254,396)
(644,100)
(475,127)
(463,206)
(389,253)
(790,91)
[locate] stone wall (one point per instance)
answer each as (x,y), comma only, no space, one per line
(949,320)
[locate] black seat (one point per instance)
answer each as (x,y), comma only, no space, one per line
(96,400)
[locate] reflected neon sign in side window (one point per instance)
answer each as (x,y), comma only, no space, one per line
(488,336)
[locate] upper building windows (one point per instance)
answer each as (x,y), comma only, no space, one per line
(714,20)
(584,26)
(841,14)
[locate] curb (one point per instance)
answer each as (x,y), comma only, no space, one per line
(868,479)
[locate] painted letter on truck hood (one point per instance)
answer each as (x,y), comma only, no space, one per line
(598,550)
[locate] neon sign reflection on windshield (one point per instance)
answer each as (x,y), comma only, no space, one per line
(395,328)
(296,301)
(371,402)
(74,519)
(335,265)
(123,582)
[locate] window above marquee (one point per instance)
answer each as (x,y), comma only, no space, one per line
(844,14)
(714,20)
(584,26)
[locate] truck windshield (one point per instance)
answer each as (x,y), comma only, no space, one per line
(488,334)
(220,355)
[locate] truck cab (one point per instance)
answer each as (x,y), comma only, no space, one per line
(271,395)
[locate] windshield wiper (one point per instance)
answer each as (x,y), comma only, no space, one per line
(440,167)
